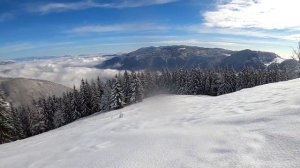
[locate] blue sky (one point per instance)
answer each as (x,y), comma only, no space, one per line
(37,28)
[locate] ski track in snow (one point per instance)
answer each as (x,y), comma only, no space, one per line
(252,128)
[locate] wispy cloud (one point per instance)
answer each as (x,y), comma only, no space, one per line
(6,16)
(263,14)
(23,46)
(118,28)
(245,32)
(85,4)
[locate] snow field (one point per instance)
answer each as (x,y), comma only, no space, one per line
(252,128)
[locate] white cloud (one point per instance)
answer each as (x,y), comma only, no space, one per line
(67,71)
(118,28)
(261,33)
(262,14)
(16,47)
(85,4)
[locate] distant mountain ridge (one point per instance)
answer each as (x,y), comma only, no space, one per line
(173,57)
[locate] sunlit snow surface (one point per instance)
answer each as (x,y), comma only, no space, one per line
(258,127)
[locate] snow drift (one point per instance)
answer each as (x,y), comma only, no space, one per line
(257,127)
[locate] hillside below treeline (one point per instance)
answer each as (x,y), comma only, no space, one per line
(21,91)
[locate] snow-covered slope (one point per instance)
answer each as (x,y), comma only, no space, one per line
(258,127)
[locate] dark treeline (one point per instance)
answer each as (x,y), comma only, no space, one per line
(125,89)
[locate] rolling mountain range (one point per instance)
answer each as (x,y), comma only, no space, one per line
(174,57)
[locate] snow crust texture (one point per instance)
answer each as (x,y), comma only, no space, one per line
(252,128)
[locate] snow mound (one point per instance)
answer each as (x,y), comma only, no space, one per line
(256,127)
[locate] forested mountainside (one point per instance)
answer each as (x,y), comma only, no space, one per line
(174,57)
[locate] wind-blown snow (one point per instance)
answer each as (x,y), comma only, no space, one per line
(258,127)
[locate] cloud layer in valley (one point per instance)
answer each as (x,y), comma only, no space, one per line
(67,70)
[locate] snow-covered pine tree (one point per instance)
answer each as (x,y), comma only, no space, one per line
(106,98)
(7,129)
(153,78)
(25,120)
(86,98)
(83,102)
(48,113)
(17,123)
(37,118)
(127,89)
(145,82)
(165,81)
(52,118)
(117,96)
(228,83)
(66,107)
(202,77)
(100,87)
(181,81)
(215,83)
(96,97)
(59,114)
(148,82)
(193,83)
(137,90)
(76,105)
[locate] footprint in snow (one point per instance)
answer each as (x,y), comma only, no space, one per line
(100,146)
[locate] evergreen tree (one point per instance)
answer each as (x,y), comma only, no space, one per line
(7,129)
(228,83)
(106,98)
(17,123)
(38,119)
(137,90)
(145,82)
(181,82)
(25,120)
(127,87)
(66,107)
(59,112)
(76,105)
(117,96)
(48,113)
(86,98)
(165,81)
(96,97)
